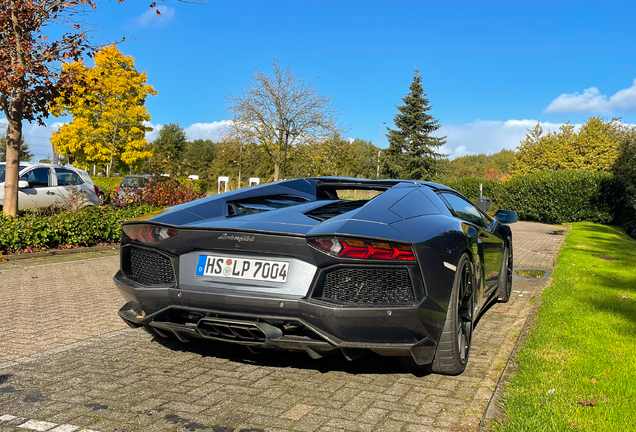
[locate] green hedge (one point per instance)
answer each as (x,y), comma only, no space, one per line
(108,183)
(469,187)
(554,196)
(33,231)
(566,196)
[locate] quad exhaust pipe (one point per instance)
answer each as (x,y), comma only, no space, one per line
(217,328)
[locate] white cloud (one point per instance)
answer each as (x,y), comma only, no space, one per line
(152,135)
(150,18)
(593,102)
(487,136)
(452,153)
(211,131)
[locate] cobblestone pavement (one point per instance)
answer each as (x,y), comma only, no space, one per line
(536,245)
(121,380)
(45,306)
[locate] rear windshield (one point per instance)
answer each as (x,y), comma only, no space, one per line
(332,210)
(134,181)
(355,194)
(2,171)
(262,204)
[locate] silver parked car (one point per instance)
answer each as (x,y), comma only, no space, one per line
(101,192)
(42,185)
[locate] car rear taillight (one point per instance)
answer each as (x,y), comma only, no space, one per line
(117,190)
(365,249)
(149,233)
(96,190)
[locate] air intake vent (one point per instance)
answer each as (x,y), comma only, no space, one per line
(150,268)
(360,286)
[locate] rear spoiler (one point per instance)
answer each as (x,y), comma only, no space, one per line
(340,183)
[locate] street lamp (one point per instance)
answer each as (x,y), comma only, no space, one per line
(289,127)
(377,167)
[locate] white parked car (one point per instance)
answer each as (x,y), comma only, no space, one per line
(42,185)
(101,192)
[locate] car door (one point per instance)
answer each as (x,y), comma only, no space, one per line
(69,187)
(490,244)
(40,193)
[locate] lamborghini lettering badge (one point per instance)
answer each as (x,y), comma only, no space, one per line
(236,238)
(241,268)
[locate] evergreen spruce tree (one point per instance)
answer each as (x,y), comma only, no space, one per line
(25,151)
(413,153)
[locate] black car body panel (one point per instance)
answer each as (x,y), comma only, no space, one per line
(329,302)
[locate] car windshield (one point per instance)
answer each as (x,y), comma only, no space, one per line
(2,171)
(84,175)
(133,181)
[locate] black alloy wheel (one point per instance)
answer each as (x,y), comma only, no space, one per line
(465,312)
(510,266)
(453,348)
(505,277)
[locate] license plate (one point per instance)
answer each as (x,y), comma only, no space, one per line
(242,268)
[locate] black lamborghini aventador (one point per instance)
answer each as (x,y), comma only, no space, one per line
(294,265)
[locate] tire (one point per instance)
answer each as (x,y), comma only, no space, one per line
(453,348)
(505,275)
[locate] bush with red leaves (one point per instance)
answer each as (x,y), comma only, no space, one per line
(169,192)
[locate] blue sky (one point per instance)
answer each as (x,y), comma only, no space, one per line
(491,71)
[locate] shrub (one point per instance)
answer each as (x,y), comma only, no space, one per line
(168,192)
(565,196)
(53,228)
(469,187)
(554,196)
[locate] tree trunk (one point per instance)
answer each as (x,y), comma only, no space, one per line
(110,165)
(12,174)
(276,170)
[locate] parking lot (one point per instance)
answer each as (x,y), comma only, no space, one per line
(68,363)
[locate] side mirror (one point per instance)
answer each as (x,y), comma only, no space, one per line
(506,216)
(22,184)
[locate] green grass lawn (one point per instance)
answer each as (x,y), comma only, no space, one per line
(577,368)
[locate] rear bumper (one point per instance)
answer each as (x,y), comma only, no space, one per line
(282,321)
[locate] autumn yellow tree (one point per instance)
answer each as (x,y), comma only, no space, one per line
(595,147)
(107,103)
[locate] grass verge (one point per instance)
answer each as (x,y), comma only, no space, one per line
(577,368)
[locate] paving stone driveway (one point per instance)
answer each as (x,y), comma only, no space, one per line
(67,363)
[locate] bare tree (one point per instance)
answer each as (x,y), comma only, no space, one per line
(258,112)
